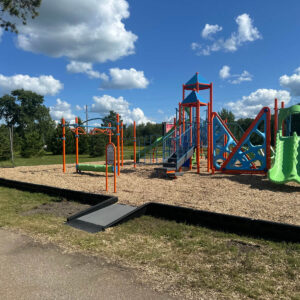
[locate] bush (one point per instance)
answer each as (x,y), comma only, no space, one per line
(97,145)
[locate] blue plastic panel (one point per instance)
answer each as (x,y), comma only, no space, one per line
(255,152)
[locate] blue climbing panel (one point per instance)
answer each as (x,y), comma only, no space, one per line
(220,148)
(246,154)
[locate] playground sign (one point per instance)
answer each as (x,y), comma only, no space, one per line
(110,152)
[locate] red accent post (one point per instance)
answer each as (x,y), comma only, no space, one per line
(211,127)
(198,136)
(191,135)
(118,142)
(122,154)
(77,144)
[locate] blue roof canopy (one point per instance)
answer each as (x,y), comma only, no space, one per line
(193,97)
(197,78)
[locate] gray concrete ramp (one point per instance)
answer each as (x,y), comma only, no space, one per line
(102,218)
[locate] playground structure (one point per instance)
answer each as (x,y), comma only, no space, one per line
(224,153)
(188,139)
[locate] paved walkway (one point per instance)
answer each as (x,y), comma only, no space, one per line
(29,270)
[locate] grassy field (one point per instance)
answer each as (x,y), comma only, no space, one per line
(187,261)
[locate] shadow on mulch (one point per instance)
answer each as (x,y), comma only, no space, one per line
(61,208)
(261,183)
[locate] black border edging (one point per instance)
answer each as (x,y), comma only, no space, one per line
(217,221)
(82,197)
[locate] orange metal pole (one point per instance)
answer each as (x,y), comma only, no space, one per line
(106,169)
(191,135)
(183,110)
(180,123)
(175,134)
(211,128)
(282,106)
(118,142)
(77,144)
(115,172)
(64,143)
(198,136)
(122,154)
(109,134)
(134,143)
(208,138)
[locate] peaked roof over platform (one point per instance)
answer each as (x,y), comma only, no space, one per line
(193,97)
(197,80)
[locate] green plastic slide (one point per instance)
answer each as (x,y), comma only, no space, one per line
(95,168)
(287,159)
(286,165)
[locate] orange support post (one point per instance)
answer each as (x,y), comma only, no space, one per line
(191,135)
(180,108)
(198,136)
(122,153)
(211,128)
(174,134)
(77,140)
(64,143)
(109,134)
(134,143)
(282,106)
(208,138)
(183,120)
(118,142)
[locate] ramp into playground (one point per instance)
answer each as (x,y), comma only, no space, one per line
(94,220)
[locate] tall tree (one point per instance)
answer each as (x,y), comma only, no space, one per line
(227,114)
(25,111)
(21,9)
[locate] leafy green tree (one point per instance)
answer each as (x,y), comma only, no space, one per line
(97,145)
(5,143)
(24,111)
(21,9)
(227,114)
(32,144)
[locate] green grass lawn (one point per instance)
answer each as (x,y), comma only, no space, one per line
(188,261)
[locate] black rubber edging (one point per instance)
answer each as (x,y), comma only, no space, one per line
(82,197)
(217,221)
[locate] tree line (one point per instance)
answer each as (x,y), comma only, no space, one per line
(29,130)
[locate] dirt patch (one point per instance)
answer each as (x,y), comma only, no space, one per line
(252,196)
(243,246)
(61,208)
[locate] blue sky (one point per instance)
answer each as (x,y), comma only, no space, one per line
(133,56)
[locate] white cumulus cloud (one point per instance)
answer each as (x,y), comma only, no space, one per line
(224,72)
(209,30)
(106,103)
(238,78)
(249,106)
(78,107)
(125,79)
(246,32)
(61,109)
(88,31)
(291,82)
(85,68)
(43,85)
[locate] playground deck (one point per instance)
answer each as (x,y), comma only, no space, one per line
(251,196)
